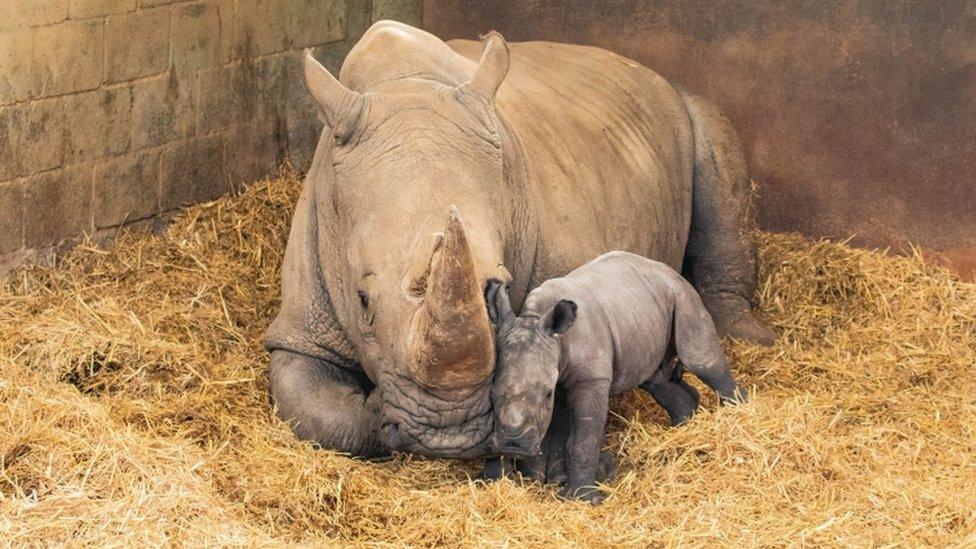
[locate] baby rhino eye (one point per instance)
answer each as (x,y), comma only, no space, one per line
(363,299)
(549,393)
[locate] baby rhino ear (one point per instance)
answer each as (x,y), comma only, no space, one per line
(560,317)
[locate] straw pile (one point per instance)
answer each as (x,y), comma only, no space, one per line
(134,410)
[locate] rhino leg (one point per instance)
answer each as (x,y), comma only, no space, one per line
(700,349)
(326,404)
(720,259)
(678,403)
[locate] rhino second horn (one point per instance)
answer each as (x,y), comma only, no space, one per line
(451,346)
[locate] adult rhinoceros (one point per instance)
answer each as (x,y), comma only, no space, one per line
(443,165)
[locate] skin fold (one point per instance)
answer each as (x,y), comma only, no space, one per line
(614,324)
(443,165)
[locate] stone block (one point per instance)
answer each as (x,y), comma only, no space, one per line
(42,136)
(404,11)
(137,44)
(153,3)
(314,22)
(15,57)
(19,14)
(192,171)
(262,27)
(126,189)
(197,35)
(358,18)
(84,9)
(100,123)
(162,111)
(11,216)
(10,120)
(57,205)
(303,136)
(67,58)
(254,152)
(31,137)
(229,96)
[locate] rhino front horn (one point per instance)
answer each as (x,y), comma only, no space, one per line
(451,344)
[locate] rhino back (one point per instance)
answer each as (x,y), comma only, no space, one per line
(609,152)
(625,305)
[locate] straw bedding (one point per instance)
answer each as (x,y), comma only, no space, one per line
(134,410)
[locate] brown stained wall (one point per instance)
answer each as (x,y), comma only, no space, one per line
(115,112)
(859,116)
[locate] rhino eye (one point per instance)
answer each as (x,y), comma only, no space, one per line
(363,299)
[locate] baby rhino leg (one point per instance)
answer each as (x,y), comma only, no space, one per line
(699,348)
(677,377)
(679,399)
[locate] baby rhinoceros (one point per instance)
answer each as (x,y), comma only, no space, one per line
(630,316)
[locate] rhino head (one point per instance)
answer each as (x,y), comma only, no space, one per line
(417,225)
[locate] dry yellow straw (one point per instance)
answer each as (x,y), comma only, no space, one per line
(134,410)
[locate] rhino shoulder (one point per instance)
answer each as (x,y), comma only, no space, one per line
(307,323)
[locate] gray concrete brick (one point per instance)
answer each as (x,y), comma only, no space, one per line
(67,58)
(197,35)
(11,216)
(228,96)
(162,111)
(262,27)
(100,123)
(192,171)
(137,44)
(404,11)
(254,152)
(15,57)
(84,9)
(42,136)
(314,22)
(57,205)
(31,137)
(10,121)
(126,189)
(31,13)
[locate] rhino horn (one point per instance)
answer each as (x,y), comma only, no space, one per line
(339,107)
(451,344)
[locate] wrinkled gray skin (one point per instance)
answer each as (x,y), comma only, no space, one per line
(552,154)
(609,326)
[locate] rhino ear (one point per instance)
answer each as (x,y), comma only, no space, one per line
(491,69)
(558,319)
(339,107)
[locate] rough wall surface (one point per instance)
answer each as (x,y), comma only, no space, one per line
(859,116)
(114,112)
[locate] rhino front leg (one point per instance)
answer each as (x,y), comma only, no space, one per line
(588,403)
(550,466)
(326,404)
(720,259)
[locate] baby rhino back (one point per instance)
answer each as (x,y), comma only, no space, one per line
(625,312)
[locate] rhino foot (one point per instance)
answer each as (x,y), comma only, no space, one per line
(734,318)
(589,494)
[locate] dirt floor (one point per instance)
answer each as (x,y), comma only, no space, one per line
(134,410)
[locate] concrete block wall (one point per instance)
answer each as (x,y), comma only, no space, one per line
(115,112)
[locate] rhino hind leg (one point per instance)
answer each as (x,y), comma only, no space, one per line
(326,404)
(700,349)
(720,259)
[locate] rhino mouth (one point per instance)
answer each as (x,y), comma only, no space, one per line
(422,422)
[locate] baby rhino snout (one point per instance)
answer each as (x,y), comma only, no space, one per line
(514,434)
